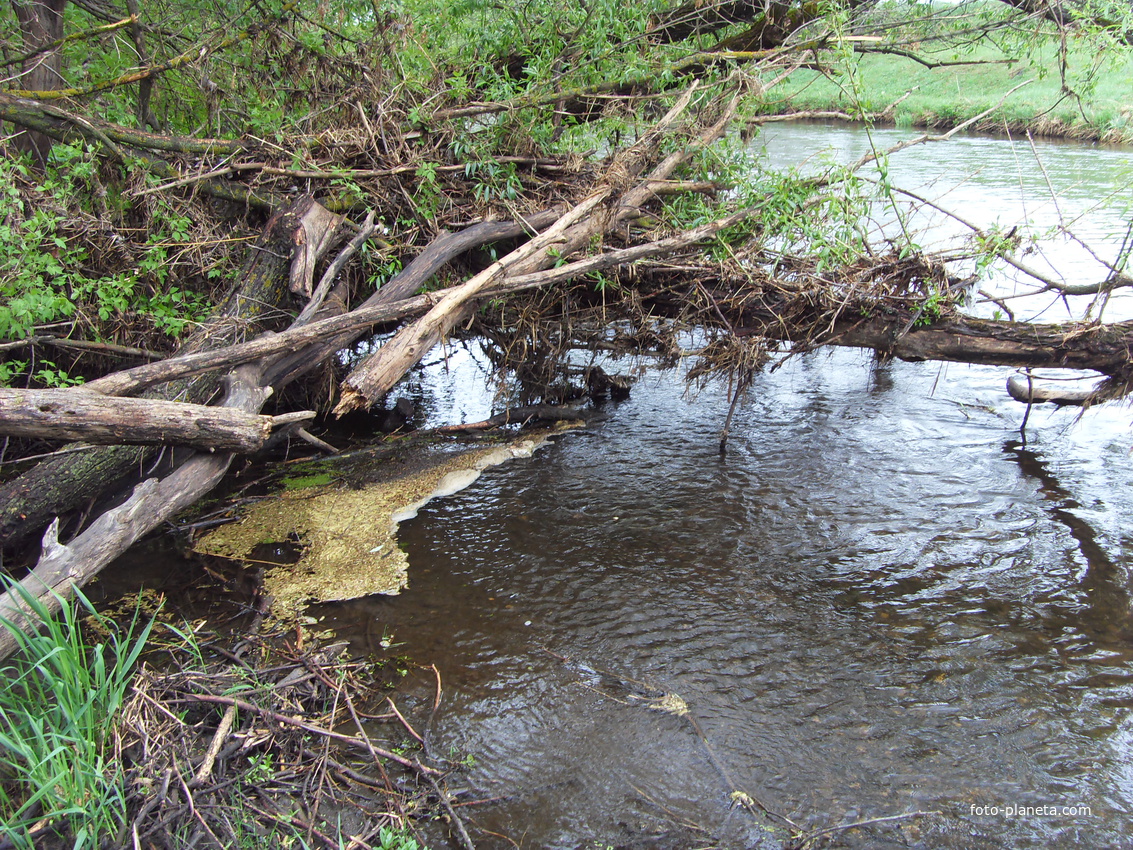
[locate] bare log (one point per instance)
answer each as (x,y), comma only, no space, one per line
(63,567)
(317,340)
(94,418)
(58,485)
(1027,391)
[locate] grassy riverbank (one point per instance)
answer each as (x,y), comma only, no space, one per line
(895,89)
(145,734)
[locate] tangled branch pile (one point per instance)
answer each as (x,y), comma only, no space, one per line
(254,190)
(270,746)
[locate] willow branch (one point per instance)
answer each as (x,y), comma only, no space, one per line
(73,37)
(196,53)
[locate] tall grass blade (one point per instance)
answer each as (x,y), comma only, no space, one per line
(57,708)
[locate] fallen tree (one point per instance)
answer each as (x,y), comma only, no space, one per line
(537,247)
(95,418)
(150,503)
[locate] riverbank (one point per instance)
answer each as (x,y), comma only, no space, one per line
(1009,96)
(134,726)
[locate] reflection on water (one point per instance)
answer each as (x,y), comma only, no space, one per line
(1073,200)
(879,603)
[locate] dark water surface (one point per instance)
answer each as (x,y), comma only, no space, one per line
(880,602)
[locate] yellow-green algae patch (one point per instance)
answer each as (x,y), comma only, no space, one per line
(349,535)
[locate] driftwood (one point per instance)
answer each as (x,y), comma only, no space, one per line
(29,502)
(522,415)
(94,418)
(1025,390)
(63,567)
(59,485)
(311,343)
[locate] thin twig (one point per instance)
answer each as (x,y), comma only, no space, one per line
(810,836)
(218,739)
(404,722)
(311,727)
(461,832)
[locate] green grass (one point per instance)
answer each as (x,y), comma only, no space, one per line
(948,96)
(57,707)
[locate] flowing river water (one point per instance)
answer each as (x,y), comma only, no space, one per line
(879,602)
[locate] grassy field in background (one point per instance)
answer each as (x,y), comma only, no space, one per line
(944,97)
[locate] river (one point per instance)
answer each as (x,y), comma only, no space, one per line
(879,603)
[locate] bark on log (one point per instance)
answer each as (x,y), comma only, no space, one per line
(63,567)
(1028,392)
(1102,348)
(94,418)
(521,415)
(58,485)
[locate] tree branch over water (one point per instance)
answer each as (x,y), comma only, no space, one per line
(446,162)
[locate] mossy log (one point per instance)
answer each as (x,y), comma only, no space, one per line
(63,483)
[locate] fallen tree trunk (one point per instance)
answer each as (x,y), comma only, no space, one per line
(58,485)
(395,296)
(1102,348)
(63,567)
(313,342)
(94,418)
